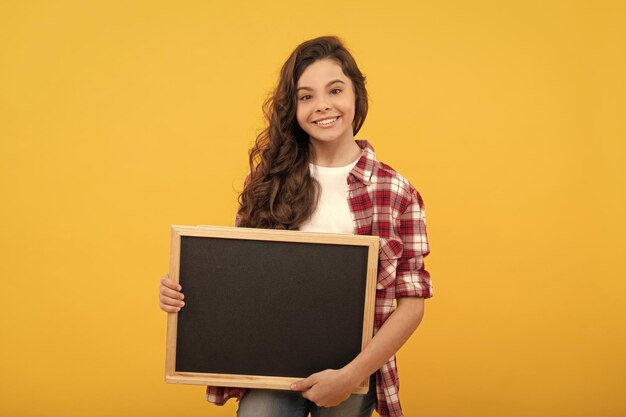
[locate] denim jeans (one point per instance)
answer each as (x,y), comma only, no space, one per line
(276,403)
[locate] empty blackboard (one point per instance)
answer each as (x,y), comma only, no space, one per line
(265,308)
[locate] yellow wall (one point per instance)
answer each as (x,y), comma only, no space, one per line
(120,118)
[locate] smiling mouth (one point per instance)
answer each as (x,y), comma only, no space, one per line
(326,122)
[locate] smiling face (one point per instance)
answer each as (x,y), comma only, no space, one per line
(325,103)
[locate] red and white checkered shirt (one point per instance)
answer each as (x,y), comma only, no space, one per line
(383,203)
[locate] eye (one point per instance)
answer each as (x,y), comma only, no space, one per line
(305,97)
(335,91)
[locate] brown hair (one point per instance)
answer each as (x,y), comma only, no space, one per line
(279,192)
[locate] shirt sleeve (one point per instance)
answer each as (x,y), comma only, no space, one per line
(412,279)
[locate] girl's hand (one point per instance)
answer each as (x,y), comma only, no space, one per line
(328,388)
(170,297)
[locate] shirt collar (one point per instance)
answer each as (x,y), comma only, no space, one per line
(364,168)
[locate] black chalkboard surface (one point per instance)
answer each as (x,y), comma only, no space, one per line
(265,308)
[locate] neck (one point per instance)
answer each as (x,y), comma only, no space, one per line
(336,154)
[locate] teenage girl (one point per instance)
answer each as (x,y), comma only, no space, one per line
(308,173)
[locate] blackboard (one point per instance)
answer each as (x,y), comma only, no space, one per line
(265,308)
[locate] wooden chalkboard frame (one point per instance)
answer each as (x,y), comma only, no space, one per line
(261,381)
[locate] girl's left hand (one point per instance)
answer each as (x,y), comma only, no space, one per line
(327,388)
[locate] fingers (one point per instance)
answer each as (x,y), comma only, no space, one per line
(168,308)
(170,297)
(167,282)
(170,304)
(304,384)
(172,293)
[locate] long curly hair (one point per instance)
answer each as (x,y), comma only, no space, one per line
(279,192)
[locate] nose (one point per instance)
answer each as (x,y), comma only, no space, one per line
(323,104)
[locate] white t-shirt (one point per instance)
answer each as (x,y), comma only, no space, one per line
(332,214)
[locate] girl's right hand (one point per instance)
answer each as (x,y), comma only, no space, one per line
(170,297)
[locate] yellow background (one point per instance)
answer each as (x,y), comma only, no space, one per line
(119,118)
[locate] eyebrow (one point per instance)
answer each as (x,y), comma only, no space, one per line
(329,84)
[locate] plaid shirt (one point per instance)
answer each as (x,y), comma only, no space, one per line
(384,204)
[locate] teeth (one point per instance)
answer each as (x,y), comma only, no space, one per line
(326,121)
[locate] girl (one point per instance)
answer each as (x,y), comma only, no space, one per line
(308,173)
